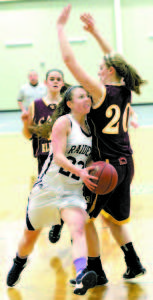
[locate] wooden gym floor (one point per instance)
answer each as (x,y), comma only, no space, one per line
(50,267)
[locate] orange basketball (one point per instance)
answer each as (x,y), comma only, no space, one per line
(107,177)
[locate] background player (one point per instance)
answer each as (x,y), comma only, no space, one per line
(30,91)
(38,118)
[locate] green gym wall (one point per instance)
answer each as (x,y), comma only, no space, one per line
(28,40)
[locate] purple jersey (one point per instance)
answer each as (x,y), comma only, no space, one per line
(110,122)
(42,113)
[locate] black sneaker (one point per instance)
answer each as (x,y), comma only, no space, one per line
(55,233)
(84,281)
(101,280)
(134,269)
(14,274)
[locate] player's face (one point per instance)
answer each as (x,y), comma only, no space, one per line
(54,81)
(103,73)
(33,77)
(81,102)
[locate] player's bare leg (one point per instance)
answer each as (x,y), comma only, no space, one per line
(75,218)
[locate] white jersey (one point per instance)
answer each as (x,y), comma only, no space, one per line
(28,93)
(57,188)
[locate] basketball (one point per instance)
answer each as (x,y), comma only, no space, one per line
(107,177)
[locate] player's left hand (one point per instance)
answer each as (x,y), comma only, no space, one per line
(88,21)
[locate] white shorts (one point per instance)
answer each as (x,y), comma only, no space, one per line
(46,201)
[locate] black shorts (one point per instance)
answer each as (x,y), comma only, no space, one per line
(41,160)
(115,205)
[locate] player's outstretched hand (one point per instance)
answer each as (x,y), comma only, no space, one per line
(88,179)
(89,23)
(64,16)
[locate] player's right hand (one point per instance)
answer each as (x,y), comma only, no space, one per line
(64,16)
(25,116)
(88,179)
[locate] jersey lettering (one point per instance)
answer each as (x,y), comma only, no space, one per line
(46,147)
(69,174)
(113,126)
(44,119)
(125,117)
(81,149)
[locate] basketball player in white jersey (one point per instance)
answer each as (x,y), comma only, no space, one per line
(58,191)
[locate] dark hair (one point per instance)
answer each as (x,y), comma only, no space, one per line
(132,79)
(54,70)
(62,108)
(44,130)
(65,86)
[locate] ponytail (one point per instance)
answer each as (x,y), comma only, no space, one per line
(131,78)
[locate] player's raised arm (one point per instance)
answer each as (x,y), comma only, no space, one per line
(89,25)
(90,84)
